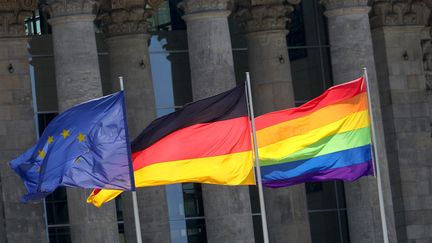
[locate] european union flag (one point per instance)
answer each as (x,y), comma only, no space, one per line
(86,146)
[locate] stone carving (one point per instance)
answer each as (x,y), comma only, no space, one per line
(13,14)
(122,21)
(57,8)
(427,63)
(127,4)
(18,5)
(128,16)
(194,6)
(337,4)
(265,15)
(155,3)
(402,12)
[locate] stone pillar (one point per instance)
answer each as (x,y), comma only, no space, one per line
(18,222)
(269,65)
(227,209)
(126,27)
(403,56)
(351,50)
(78,80)
(210,55)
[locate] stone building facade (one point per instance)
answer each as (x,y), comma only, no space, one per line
(57,53)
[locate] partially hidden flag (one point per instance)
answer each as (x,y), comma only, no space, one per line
(207,141)
(86,146)
(327,138)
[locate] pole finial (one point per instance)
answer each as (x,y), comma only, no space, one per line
(121,83)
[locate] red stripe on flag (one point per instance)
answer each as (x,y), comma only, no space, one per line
(198,141)
(333,95)
(96,191)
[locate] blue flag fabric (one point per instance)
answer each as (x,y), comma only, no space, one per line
(86,146)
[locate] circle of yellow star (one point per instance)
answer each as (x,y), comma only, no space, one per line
(50,139)
(41,154)
(65,133)
(81,138)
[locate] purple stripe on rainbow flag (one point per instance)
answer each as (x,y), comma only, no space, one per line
(348,173)
(325,162)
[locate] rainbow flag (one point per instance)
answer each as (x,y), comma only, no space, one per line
(327,138)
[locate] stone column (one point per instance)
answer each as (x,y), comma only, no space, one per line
(227,209)
(78,80)
(269,65)
(404,59)
(18,222)
(210,52)
(126,27)
(351,50)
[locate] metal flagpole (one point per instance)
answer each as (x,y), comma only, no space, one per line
(376,162)
(257,165)
(134,194)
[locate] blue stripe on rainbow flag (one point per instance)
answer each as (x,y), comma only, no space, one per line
(325,162)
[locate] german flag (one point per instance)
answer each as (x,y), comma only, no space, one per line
(207,141)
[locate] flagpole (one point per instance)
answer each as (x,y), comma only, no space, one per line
(375,161)
(257,165)
(134,194)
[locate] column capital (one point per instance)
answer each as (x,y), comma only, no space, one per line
(13,14)
(128,17)
(63,8)
(122,4)
(191,7)
(345,7)
(265,15)
(397,13)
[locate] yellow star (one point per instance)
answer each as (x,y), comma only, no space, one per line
(38,169)
(41,154)
(65,133)
(50,139)
(81,138)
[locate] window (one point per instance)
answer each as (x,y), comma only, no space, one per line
(256,214)
(120,220)
(37,23)
(161,20)
(194,213)
(327,212)
(57,216)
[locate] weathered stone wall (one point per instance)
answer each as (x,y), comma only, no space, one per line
(401,42)
(18,222)
(406,111)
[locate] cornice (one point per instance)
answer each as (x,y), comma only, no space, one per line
(397,13)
